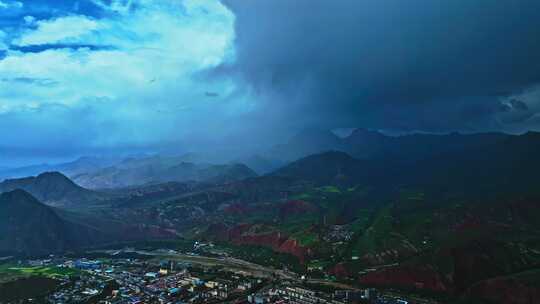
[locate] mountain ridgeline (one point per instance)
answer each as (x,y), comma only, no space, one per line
(367,144)
(485,162)
(53,188)
(109,173)
(154,170)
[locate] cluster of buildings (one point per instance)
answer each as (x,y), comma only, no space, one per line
(300,295)
(180,287)
(137,281)
(134,281)
(89,285)
(338,233)
(82,289)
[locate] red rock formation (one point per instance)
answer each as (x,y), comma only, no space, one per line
(237,231)
(243,234)
(340,271)
(292,246)
(273,240)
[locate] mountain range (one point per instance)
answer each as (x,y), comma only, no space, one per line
(95,172)
(103,172)
(369,144)
(448,214)
(136,172)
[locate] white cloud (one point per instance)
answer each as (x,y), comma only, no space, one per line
(29,20)
(4,4)
(60,30)
(145,68)
(117,6)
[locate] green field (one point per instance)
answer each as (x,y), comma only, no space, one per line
(329,189)
(10,271)
(305,238)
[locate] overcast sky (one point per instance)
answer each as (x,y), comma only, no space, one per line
(119,76)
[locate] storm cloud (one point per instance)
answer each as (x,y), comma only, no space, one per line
(434,66)
(94,76)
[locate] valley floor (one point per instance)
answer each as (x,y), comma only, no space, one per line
(151,276)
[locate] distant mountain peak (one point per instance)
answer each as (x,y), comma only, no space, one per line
(54,175)
(363,132)
(53,188)
(324,168)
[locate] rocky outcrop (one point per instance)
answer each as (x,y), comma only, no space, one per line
(273,240)
(292,246)
(249,234)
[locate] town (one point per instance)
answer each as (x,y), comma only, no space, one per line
(176,278)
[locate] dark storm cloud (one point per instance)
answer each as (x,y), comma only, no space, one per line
(116,82)
(426,65)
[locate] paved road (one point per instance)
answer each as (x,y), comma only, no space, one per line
(332,284)
(241,265)
(252,268)
(227,262)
